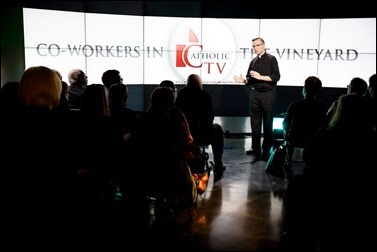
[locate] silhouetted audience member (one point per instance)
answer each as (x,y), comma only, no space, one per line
(124,117)
(304,117)
(357,86)
(96,152)
(109,78)
(328,206)
(9,100)
(177,115)
(100,144)
(78,82)
(39,177)
(193,155)
(156,144)
(370,98)
(156,137)
(63,102)
(197,106)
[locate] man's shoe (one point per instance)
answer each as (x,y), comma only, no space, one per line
(252,152)
(217,177)
(256,159)
(218,170)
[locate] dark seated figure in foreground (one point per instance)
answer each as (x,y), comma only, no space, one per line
(329,205)
(197,106)
(304,117)
(156,166)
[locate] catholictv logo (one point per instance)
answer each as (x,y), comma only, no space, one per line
(208,49)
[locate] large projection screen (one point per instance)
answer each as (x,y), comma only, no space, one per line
(149,49)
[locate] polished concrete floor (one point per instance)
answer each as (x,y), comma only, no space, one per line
(243,211)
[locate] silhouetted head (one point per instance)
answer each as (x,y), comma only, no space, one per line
(118,93)
(40,87)
(65,89)
(77,76)
(372,85)
(168,84)
(194,80)
(350,112)
(358,86)
(162,99)
(111,77)
(94,102)
(312,86)
(10,90)
(9,95)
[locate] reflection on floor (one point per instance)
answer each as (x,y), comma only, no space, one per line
(243,211)
(241,124)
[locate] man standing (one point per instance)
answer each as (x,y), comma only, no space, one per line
(262,75)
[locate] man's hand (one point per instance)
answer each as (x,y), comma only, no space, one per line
(239,79)
(255,75)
